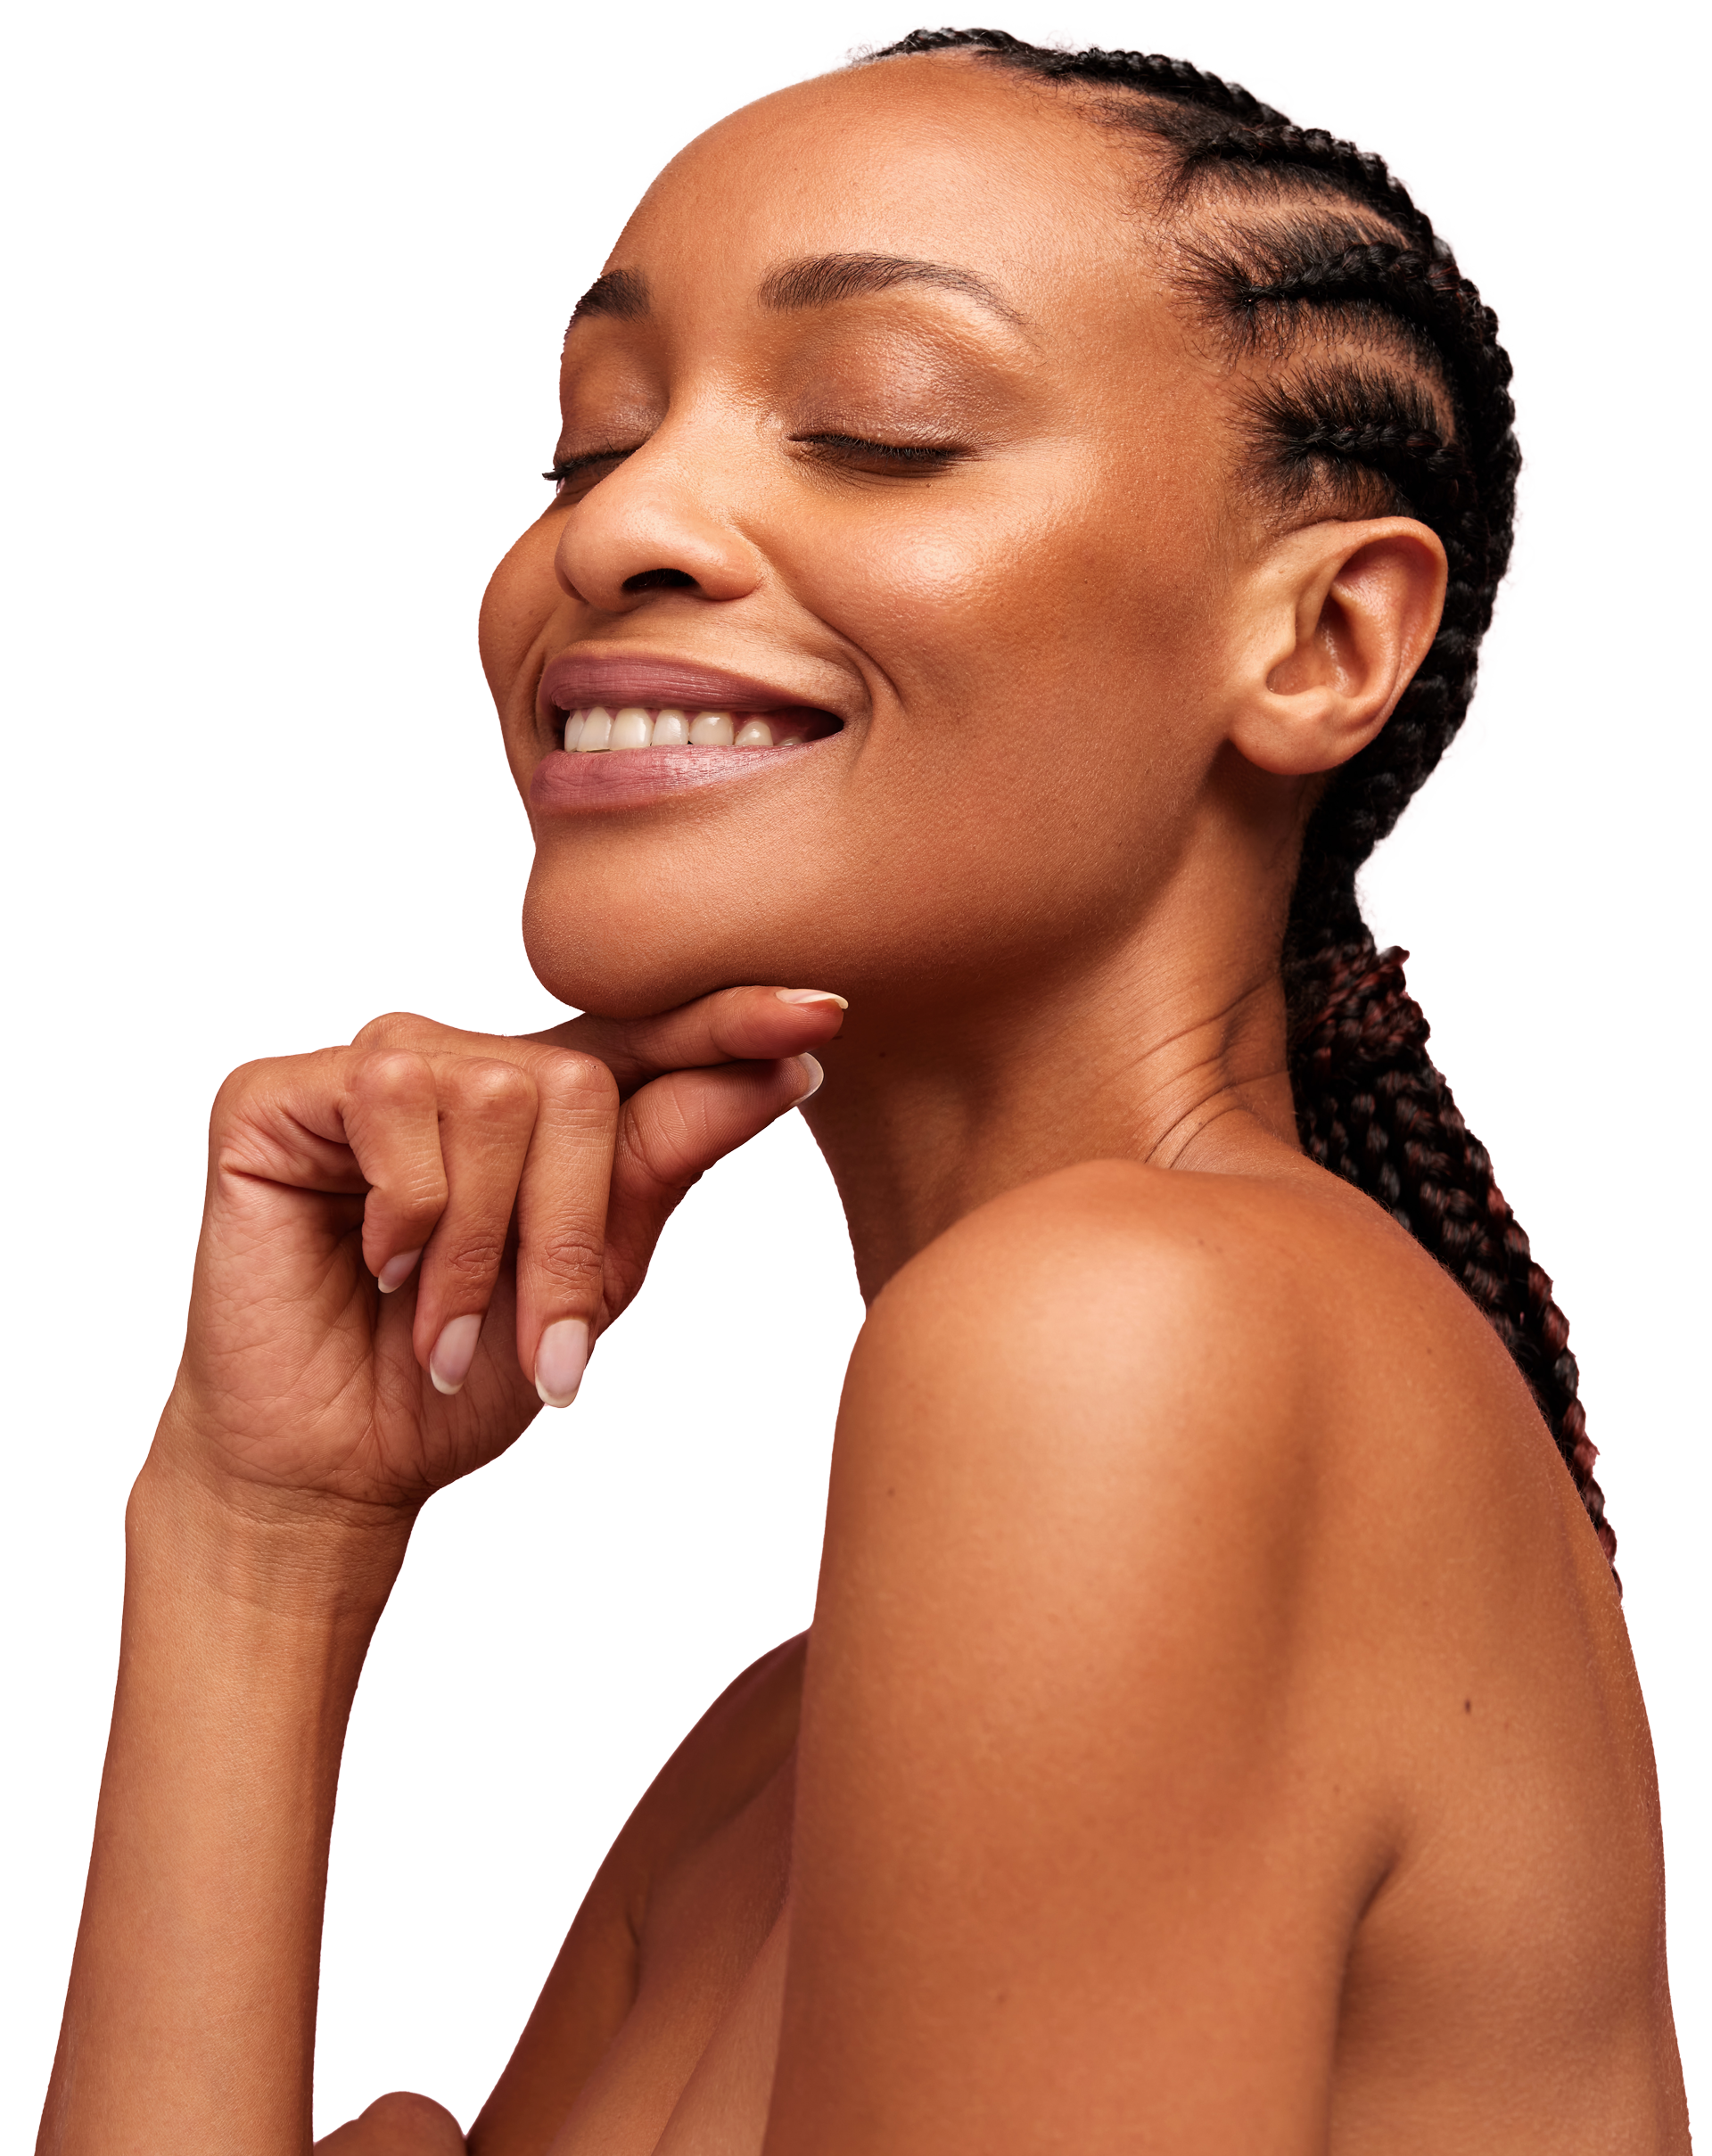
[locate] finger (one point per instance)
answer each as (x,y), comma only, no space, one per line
(734,1025)
(398,2125)
(561,1221)
(486,1111)
(671,1133)
(391,1118)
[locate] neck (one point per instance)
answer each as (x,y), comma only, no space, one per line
(924,1118)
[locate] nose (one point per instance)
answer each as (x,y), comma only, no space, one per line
(649,526)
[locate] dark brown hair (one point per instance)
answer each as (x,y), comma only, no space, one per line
(1381,388)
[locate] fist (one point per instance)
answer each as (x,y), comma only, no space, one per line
(410,1243)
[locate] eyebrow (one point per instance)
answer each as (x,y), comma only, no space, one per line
(824,279)
(820,279)
(623,292)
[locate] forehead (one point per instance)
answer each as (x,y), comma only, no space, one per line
(940,159)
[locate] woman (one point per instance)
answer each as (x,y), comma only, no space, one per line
(1023,527)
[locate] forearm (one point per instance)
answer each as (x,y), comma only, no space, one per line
(190,2021)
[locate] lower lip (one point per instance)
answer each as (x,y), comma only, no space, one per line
(572,783)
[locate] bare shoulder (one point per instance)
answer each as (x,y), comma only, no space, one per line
(1211,1330)
(1212,1655)
(1102,1347)
(1263,1418)
(1102,1395)
(730,1755)
(1268,1259)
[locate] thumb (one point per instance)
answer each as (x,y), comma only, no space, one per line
(731,1025)
(670,1134)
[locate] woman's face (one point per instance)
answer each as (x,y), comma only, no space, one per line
(1010,619)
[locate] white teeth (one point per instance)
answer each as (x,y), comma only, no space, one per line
(634,726)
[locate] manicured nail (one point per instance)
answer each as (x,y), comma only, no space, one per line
(816,1077)
(560,1360)
(454,1352)
(811,995)
(397,1271)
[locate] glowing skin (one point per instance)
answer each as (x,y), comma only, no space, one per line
(1217,1702)
(1038,647)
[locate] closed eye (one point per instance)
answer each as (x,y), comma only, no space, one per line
(853,450)
(566,469)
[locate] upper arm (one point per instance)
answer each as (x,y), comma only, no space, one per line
(731,1752)
(1043,1861)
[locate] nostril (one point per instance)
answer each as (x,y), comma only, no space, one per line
(660,580)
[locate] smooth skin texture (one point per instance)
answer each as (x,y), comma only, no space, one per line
(1217,1731)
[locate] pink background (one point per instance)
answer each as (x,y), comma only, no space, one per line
(630,1558)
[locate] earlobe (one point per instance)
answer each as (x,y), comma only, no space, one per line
(1344,615)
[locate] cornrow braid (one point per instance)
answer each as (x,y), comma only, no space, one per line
(1151,71)
(1355,172)
(1374,1110)
(1387,392)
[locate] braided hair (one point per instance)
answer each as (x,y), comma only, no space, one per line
(1383,389)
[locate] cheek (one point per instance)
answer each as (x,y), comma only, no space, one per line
(521,595)
(1028,599)
(1041,734)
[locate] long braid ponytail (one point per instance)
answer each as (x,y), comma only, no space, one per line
(1387,391)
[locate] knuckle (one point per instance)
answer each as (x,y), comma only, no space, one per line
(473,1258)
(668,1143)
(236,1087)
(581,1081)
(255,1079)
(393,1077)
(393,1028)
(419,1203)
(487,1086)
(570,1254)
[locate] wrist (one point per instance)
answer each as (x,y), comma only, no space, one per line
(298,1555)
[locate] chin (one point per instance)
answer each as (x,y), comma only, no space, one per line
(630,960)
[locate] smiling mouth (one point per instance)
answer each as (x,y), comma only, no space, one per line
(599,729)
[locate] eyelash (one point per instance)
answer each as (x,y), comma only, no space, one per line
(922,457)
(565,468)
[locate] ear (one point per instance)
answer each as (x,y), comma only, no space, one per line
(1340,616)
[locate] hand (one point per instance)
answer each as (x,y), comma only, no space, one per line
(408,1243)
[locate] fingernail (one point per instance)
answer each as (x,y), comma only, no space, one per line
(811,995)
(816,1078)
(560,1360)
(454,1352)
(397,1271)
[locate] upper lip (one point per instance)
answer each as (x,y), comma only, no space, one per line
(576,679)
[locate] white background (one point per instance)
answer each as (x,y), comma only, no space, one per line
(288,285)
(436,1859)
